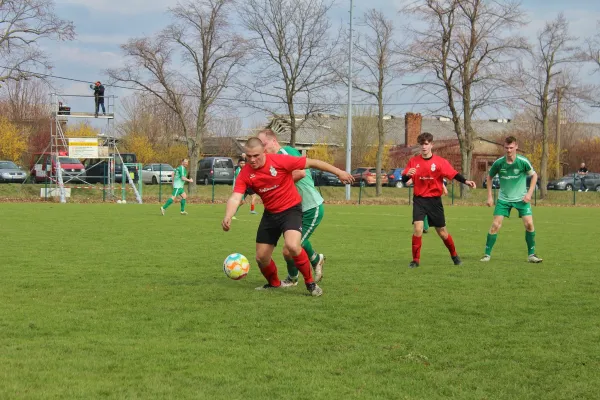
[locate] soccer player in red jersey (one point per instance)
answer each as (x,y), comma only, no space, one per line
(270,176)
(428,172)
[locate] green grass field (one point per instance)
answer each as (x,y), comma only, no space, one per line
(115,301)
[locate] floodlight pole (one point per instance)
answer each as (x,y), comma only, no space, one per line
(349,118)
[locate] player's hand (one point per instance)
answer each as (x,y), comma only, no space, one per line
(411,172)
(346,177)
(490,201)
(471,184)
(226,224)
(527,198)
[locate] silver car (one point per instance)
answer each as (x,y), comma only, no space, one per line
(11,172)
(154,173)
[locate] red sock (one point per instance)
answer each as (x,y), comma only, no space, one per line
(450,245)
(303,264)
(251,207)
(416,247)
(270,272)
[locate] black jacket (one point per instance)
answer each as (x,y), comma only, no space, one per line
(99,92)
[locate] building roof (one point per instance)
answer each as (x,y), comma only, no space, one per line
(332,129)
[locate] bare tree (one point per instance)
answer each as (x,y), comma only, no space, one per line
(464,51)
(210,50)
(545,80)
(378,63)
(292,58)
(592,52)
(23,23)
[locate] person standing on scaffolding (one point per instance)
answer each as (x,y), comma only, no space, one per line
(98,97)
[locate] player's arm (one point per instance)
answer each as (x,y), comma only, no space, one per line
(459,178)
(408,173)
(298,174)
(534,179)
(344,176)
(232,204)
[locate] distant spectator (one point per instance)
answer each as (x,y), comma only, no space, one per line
(582,171)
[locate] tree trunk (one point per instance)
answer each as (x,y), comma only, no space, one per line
(557,172)
(545,151)
(292,123)
(380,148)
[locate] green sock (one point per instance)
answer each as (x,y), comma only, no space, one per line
(530,239)
(291,267)
(489,243)
(182,205)
(312,255)
(425,224)
(168,203)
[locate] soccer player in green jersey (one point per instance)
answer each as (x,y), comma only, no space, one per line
(512,170)
(249,191)
(312,208)
(179,180)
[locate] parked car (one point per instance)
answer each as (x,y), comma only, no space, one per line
(366,176)
(154,173)
(11,172)
(322,178)
(217,169)
(97,169)
(43,167)
(496,182)
(573,182)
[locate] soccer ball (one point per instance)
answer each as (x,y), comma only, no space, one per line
(236,266)
(119,201)
(124,202)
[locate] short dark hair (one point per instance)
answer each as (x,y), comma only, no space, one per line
(425,137)
(510,140)
(254,142)
(241,159)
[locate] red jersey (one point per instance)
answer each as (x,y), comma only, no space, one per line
(429,179)
(273,182)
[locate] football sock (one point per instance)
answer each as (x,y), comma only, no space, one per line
(251,207)
(425,224)
(312,255)
(182,205)
(450,245)
(416,247)
(291,267)
(270,273)
(489,243)
(530,239)
(168,203)
(303,265)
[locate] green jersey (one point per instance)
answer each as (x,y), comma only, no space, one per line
(311,197)
(180,173)
(513,177)
(236,173)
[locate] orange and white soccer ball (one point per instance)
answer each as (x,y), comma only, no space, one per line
(236,266)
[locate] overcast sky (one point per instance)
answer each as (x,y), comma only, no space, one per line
(103,25)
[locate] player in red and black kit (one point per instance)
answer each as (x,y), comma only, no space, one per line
(270,176)
(428,172)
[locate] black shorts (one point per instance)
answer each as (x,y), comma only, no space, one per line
(273,225)
(431,207)
(249,192)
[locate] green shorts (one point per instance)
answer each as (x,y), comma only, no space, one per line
(310,220)
(177,192)
(503,208)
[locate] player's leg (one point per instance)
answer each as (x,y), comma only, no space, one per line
(183,201)
(252,203)
(526,215)
(501,211)
(419,214)
(291,224)
(437,219)
(170,201)
(425,224)
(267,236)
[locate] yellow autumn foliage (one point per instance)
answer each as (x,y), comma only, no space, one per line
(81,130)
(13,142)
(321,151)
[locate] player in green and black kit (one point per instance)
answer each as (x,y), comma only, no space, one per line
(249,191)
(179,180)
(312,208)
(512,170)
